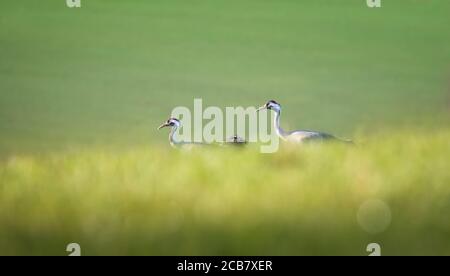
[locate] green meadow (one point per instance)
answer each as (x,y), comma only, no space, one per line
(83,90)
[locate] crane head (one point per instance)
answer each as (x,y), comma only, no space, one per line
(271,105)
(171,122)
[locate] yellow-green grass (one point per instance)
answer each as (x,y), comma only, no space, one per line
(300,201)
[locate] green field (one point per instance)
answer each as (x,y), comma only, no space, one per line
(83,90)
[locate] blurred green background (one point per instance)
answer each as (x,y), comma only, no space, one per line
(83,90)
(109,72)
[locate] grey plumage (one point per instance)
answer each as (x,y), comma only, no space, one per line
(175,124)
(296,136)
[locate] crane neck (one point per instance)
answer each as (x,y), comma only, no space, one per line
(172,137)
(280,131)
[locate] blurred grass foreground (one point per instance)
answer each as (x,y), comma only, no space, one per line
(313,200)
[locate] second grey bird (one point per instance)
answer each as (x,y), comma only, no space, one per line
(296,136)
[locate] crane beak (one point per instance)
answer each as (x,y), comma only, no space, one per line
(163,126)
(261,108)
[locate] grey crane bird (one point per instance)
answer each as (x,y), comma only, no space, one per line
(175,124)
(296,136)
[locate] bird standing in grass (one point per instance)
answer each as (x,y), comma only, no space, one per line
(296,136)
(175,124)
